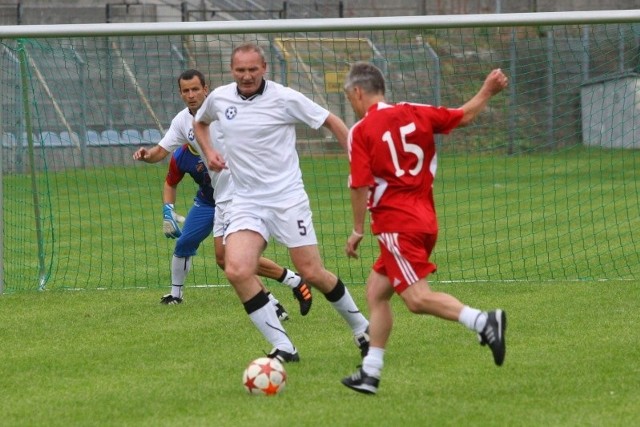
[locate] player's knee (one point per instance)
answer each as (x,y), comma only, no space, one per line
(186,246)
(237,272)
(413,306)
(184,252)
(318,278)
(418,302)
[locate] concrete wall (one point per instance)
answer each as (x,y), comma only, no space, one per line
(610,114)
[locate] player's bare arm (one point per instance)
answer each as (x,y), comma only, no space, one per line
(150,155)
(494,83)
(338,129)
(169,193)
(359,208)
(214,159)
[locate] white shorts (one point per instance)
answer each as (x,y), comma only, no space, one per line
(219,219)
(288,222)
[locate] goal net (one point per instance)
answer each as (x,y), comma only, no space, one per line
(542,186)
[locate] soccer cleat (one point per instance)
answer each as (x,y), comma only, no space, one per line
(284,356)
(303,294)
(493,335)
(362,341)
(169,299)
(361,382)
(281,312)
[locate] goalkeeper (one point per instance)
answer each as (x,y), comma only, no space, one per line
(199,222)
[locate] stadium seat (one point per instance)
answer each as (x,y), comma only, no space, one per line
(93,138)
(9,140)
(50,139)
(69,139)
(151,136)
(110,137)
(131,137)
(23,141)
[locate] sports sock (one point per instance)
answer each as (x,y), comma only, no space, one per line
(264,317)
(373,362)
(341,300)
(176,291)
(473,318)
(180,267)
(290,278)
(272,299)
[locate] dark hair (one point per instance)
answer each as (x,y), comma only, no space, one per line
(190,74)
(367,77)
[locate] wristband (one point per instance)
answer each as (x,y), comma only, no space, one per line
(355,233)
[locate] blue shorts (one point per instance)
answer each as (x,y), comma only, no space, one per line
(197,227)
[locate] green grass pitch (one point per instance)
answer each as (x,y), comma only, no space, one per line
(116,358)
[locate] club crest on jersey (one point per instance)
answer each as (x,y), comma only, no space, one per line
(190,136)
(231,112)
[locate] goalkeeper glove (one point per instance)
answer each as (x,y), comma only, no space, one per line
(169,223)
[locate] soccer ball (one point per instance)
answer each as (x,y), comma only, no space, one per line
(264,376)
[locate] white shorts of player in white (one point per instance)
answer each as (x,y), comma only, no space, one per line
(219,219)
(288,221)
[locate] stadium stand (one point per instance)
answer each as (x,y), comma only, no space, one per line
(110,137)
(50,139)
(8,140)
(69,139)
(131,137)
(93,138)
(151,136)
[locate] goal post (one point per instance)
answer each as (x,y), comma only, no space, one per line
(542,186)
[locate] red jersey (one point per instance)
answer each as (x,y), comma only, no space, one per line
(392,151)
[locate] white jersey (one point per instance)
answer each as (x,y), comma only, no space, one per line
(260,137)
(181,132)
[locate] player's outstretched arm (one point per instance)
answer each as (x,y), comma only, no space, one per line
(150,155)
(338,129)
(494,83)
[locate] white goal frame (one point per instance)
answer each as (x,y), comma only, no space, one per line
(18,32)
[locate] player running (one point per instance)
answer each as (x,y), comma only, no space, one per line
(258,118)
(200,219)
(392,157)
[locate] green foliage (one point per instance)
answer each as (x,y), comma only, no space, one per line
(116,358)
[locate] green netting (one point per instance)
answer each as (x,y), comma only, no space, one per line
(542,186)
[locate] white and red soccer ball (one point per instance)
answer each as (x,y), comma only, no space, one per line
(264,376)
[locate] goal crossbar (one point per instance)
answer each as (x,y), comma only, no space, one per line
(320,24)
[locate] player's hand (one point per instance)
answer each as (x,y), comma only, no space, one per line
(351,249)
(215,161)
(179,218)
(169,223)
(140,154)
(496,81)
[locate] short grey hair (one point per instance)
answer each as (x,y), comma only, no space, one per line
(367,77)
(249,47)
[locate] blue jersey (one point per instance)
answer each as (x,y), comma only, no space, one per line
(185,160)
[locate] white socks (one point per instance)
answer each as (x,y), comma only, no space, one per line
(180,267)
(291,279)
(473,319)
(273,300)
(267,322)
(373,362)
(349,312)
